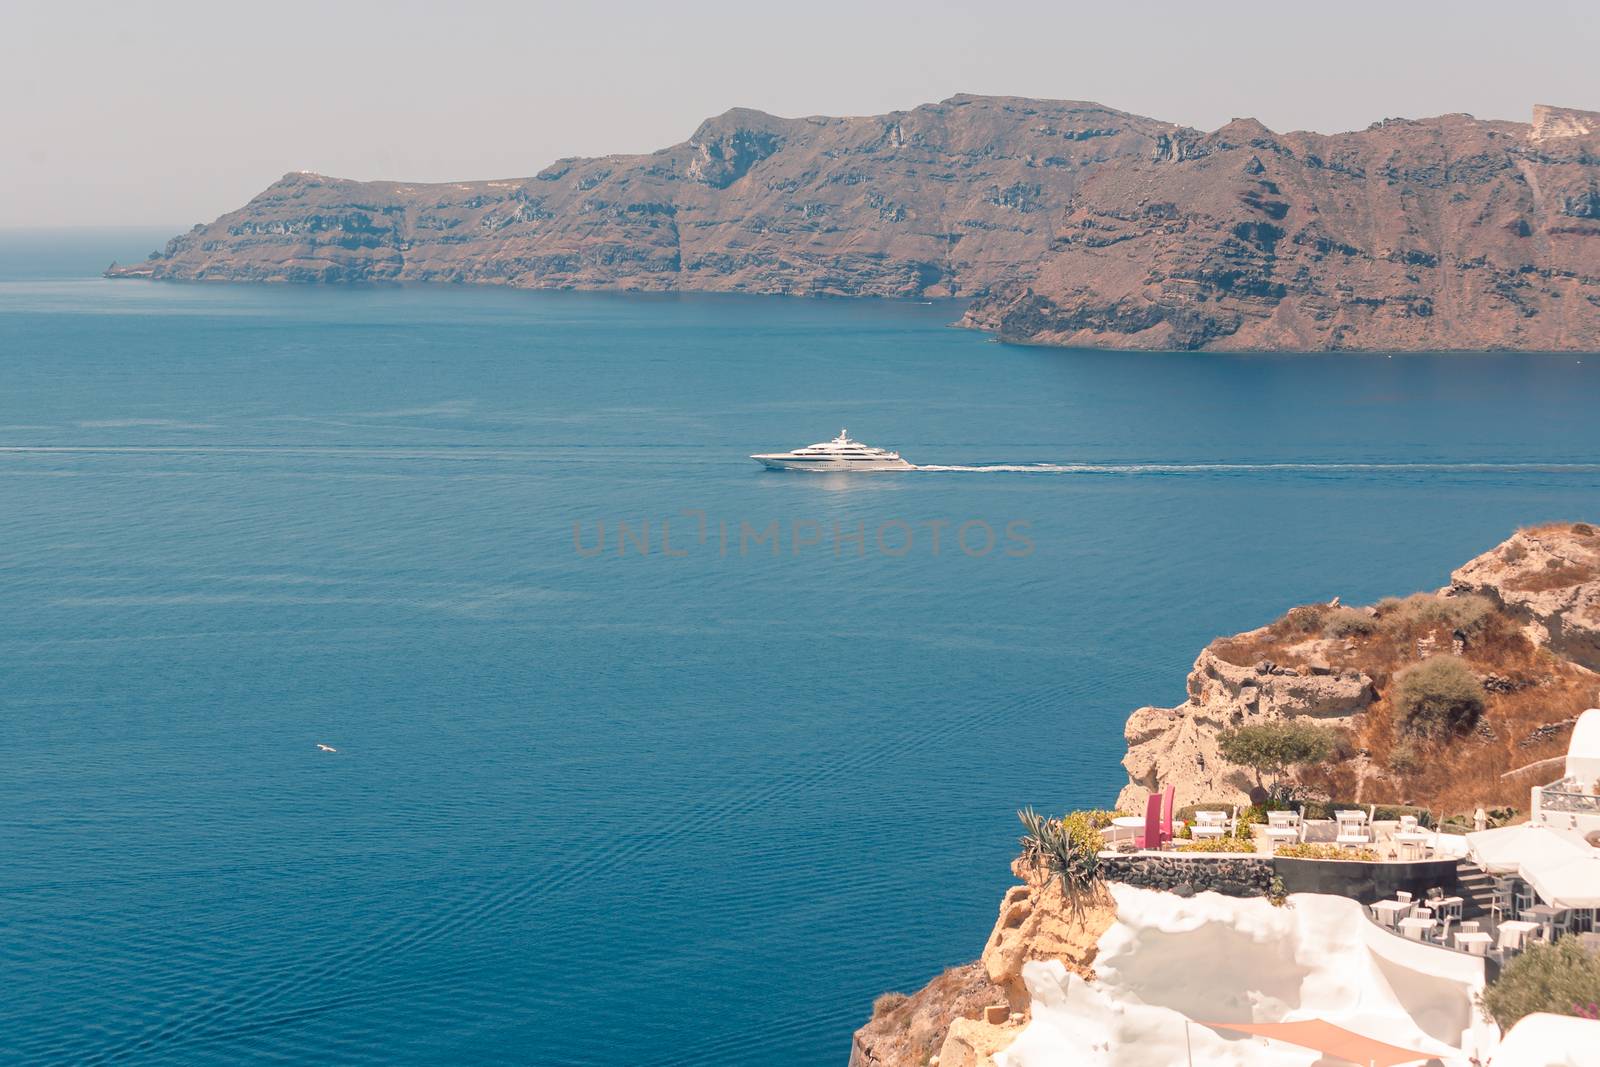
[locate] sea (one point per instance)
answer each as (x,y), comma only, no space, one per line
(642,754)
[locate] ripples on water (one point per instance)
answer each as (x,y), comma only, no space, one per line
(637,809)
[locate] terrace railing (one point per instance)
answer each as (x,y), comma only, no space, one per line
(1553,799)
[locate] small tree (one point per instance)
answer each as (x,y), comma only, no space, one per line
(1563,979)
(1438,697)
(1271,748)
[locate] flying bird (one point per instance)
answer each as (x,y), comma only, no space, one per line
(326,748)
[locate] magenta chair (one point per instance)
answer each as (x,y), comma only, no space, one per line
(1167,813)
(1151,838)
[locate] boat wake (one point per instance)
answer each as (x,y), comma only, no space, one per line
(1258,468)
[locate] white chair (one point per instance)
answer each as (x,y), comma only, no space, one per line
(1402,895)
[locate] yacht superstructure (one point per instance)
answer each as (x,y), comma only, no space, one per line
(839,454)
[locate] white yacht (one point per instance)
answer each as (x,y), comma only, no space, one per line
(839,454)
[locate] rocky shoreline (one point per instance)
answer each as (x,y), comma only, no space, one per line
(1524,616)
(1064,223)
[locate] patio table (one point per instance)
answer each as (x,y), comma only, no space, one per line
(1545,915)
(1423,927)
(1411,842)
(1200,831)
(1389,912)
(1518,931)
(1474,942)
(1125,828)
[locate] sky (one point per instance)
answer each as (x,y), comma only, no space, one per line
(172,113)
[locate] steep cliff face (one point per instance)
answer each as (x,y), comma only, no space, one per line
(1524,618)
(1067,222)
(969,1013)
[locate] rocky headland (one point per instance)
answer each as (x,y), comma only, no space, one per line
(1523,618)
(1062,222)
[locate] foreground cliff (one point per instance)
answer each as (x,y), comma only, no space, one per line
(1066,223)
(1523,619)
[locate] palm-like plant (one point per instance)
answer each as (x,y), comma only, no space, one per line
(1067,848)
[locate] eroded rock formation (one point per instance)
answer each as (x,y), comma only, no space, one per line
(1524,618)
(969,1013)
(1066,222)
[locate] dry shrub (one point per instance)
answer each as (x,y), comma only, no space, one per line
(887,1003)
(1437,698)
(1348,622)
(1557,574)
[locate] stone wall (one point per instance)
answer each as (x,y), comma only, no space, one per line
(1186,875)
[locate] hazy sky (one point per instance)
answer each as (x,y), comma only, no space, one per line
(172,113)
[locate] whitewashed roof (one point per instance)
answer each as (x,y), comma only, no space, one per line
(1583,751)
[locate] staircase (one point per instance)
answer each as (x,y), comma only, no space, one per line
(1475,887)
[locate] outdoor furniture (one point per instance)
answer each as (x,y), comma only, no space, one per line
(1448,908)
(1417,928)
(1390,912)
(1408,823)
(1552,919)
(1471,926)
(1401,894)
(1209,824)
(1283,827)
(1151,838)
(1125,828)
(1474,942)
(1514,933)
(1412,844)
(1352,828)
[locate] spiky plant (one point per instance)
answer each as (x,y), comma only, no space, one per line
(1067,848)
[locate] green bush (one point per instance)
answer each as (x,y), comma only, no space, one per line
(1311,851)
(1219,844)
(1348,622)
(1406,756)
(1563,979)
(1438,697)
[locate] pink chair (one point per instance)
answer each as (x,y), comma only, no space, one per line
(1151,838)
(1167,812)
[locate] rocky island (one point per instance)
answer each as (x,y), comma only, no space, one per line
(1061,222)
(1522,621)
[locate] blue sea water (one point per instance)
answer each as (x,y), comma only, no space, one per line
(638,808)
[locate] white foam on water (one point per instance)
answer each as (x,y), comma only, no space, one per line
(1248,468)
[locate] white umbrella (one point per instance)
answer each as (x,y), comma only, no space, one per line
(1560,866)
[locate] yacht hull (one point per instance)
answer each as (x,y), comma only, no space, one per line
(831,466)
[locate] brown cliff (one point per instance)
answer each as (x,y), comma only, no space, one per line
(1066,223)
(969,1013)
(1524,618)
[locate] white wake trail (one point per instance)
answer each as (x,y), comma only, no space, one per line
(1249,468)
